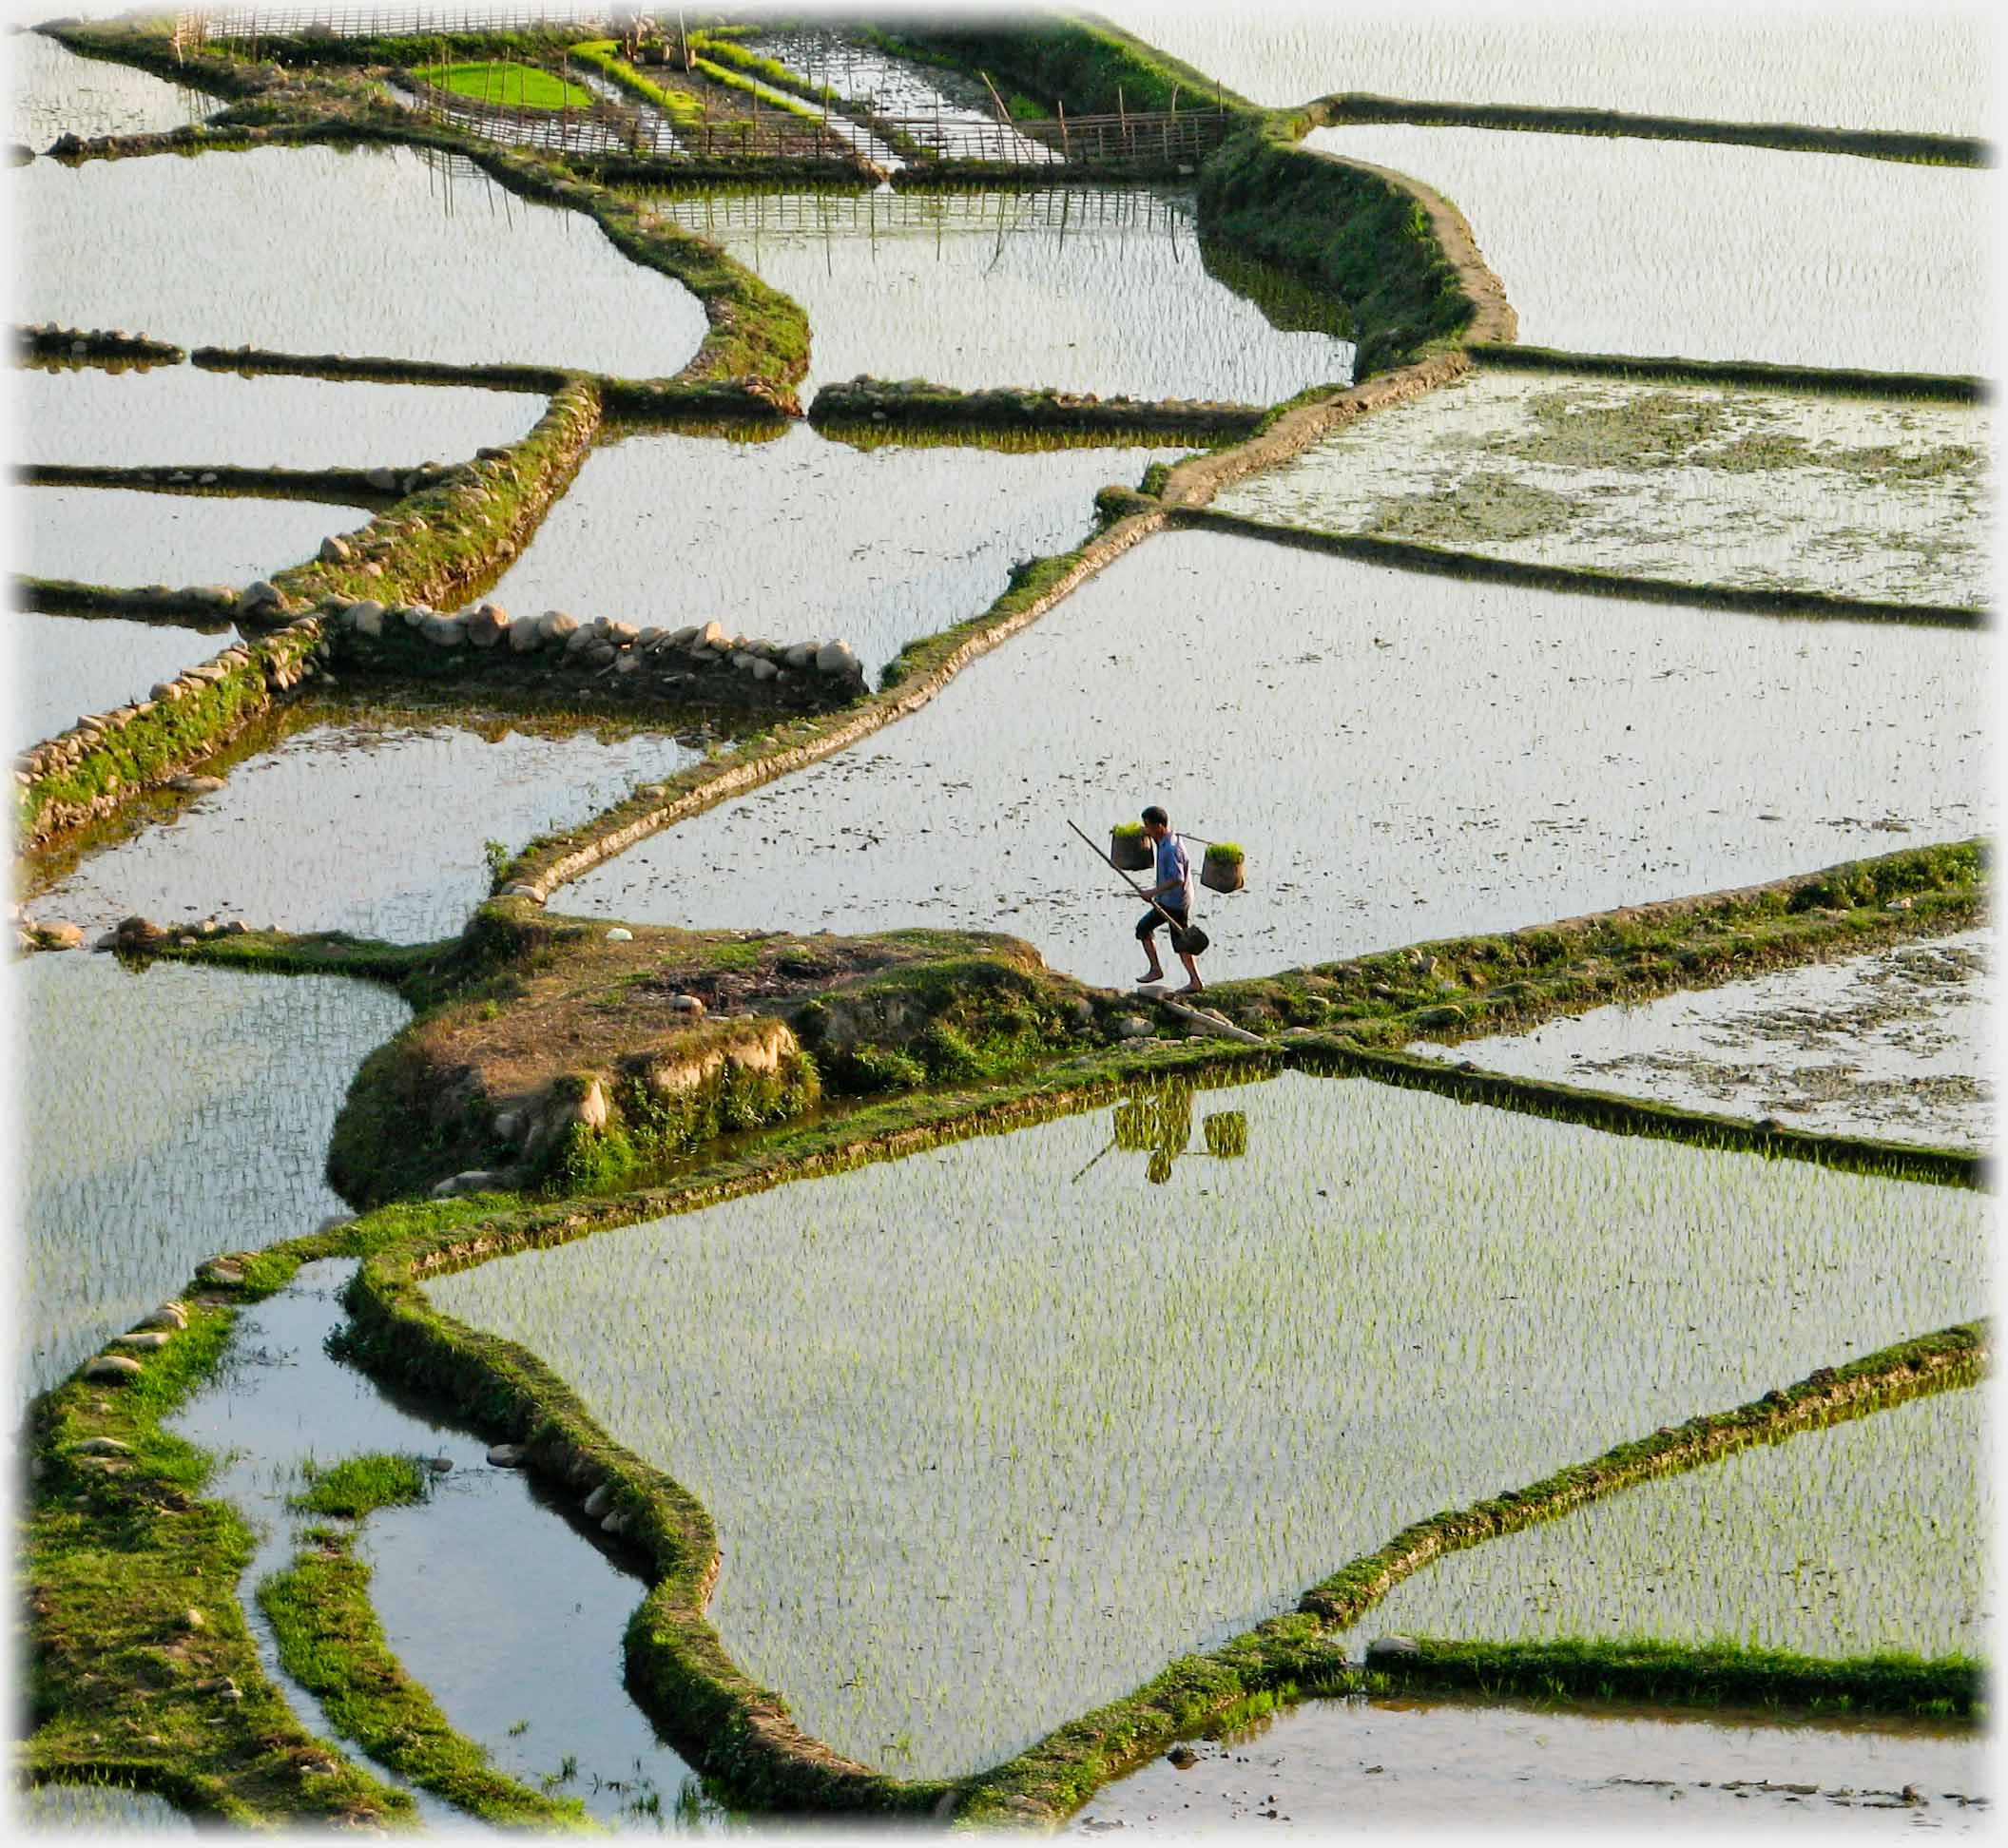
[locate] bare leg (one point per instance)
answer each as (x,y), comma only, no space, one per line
(1193,985)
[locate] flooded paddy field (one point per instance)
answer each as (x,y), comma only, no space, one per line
(1865,1535)
(840,552)
(169,1115)
(947,1531)
(186,415)
(1705,252)
(94,1810)
(128,536)
(1081,289)
(56,92)
(361,819)
(1402,756)
(932,101)
(65,666)
(1751,489)
(1893,1046)
(1412,1762)
(1925,73)
(505,1611)
(318,249)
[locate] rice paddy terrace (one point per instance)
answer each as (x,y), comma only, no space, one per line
(556,658)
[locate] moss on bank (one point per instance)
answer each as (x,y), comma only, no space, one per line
(1684,1674)
(1459,987)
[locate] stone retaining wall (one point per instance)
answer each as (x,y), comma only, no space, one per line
(701,663)
(106,759)
(46,340)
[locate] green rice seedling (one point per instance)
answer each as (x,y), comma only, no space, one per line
(1865,1534)
(1125,1423)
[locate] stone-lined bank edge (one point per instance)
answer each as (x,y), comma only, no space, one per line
(1062,1771)
(459,527)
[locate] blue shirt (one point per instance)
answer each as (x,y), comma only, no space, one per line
(1173,862)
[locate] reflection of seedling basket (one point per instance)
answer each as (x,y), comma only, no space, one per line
(1220,871)
(1135,1127)
(1226,1133)
(1127,850)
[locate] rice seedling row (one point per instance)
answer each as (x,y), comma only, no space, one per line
(945,1535)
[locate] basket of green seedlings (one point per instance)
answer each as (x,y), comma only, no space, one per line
(1129,848)
(1220,871)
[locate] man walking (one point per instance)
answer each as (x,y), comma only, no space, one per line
(1173,892)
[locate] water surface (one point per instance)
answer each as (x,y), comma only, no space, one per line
(65,666)
(1609,245)
(1081,289)
(1748,490)
(510,1617)
(1401,757)
(128,536)
(839,550)
(56,92)
(371,822)
(315,249)
(1437,1764)
(1169,1407)
(186,415)
(1843,69)
(168,1116)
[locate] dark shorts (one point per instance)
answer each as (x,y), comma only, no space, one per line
(1152,922)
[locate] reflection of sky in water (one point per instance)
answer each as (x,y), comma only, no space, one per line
(1860,1047)
(1866,1535)
(1038,1492)
(1762,490)
(648,533)
(1414,1764)
(364,250)
(501,1610)
(1844,69)
(168,1116)
(1082,289)
(1402,756)
(374,827)
(65,666)
(126,536)
(56,92)
(1625,246)
(180,414)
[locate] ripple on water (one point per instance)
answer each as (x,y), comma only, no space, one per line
(168,1116)
(1624,245)
(1420,1763)
(126,536)
(315,249)
(647,533)
(183,414)
(374,824)
(1080,289)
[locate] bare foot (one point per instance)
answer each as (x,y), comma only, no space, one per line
(1150,976)
(1194,987)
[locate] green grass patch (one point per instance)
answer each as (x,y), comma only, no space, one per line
(683,110)
(509,86)
(354,1487)
(331,1642)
